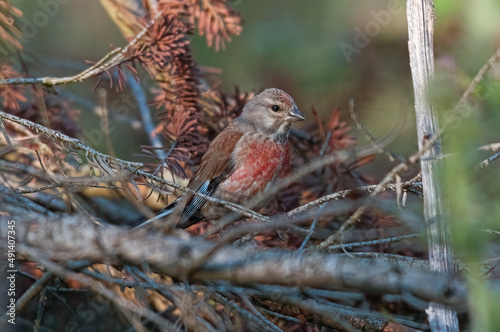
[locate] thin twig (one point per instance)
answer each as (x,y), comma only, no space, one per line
(490,147)
(374,242)
(127,306)
(369,136)
(311,229)
(280,316)
(5,134)
(41,308)
(59,185)
(253,310)
(110,60)
(231,206)
(486,162)
(29,295)
(104,115)
(247,315)
(345,193)
(98,157)
(478,78)
(145,112)
(73,142)
(389,177)
(57,180)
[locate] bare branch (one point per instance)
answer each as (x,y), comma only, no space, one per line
(374,242)
(486,162)
(127,306)
(398,169)
(126,166)
(381,148)
(73,142)
(421,16)
(345,193)
(477,79)
(110,60)
(72,239)
(145,112)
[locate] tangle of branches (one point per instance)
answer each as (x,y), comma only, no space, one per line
(335,250)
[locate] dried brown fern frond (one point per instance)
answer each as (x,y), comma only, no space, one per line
(182,130)
(176,70)
(163,42)
(9,34)
(179,8)
(163,50)
(215,19)
(11,95)
(319,140)
(338,137)
(219,109)
(165,53)
(181,127)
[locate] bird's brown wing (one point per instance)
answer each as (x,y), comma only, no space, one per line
(216,166)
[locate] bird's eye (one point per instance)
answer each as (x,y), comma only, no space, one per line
(275,108)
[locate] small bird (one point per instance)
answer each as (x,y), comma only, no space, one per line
(245,159)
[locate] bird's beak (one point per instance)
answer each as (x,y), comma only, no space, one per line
(295,115)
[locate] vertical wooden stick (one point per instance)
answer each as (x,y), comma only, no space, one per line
(421,15)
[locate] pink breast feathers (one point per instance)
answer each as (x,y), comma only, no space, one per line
(261,162)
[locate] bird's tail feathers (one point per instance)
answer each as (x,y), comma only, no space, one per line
(163,214)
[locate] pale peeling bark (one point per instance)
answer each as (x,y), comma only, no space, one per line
(421,15)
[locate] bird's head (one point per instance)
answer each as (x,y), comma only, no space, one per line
(271,112)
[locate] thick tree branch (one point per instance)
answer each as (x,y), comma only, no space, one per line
(421,15)
(73,238)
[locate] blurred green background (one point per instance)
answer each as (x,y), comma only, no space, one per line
(301,47)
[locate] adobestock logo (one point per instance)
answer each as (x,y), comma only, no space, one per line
(363,37)
(30,26)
